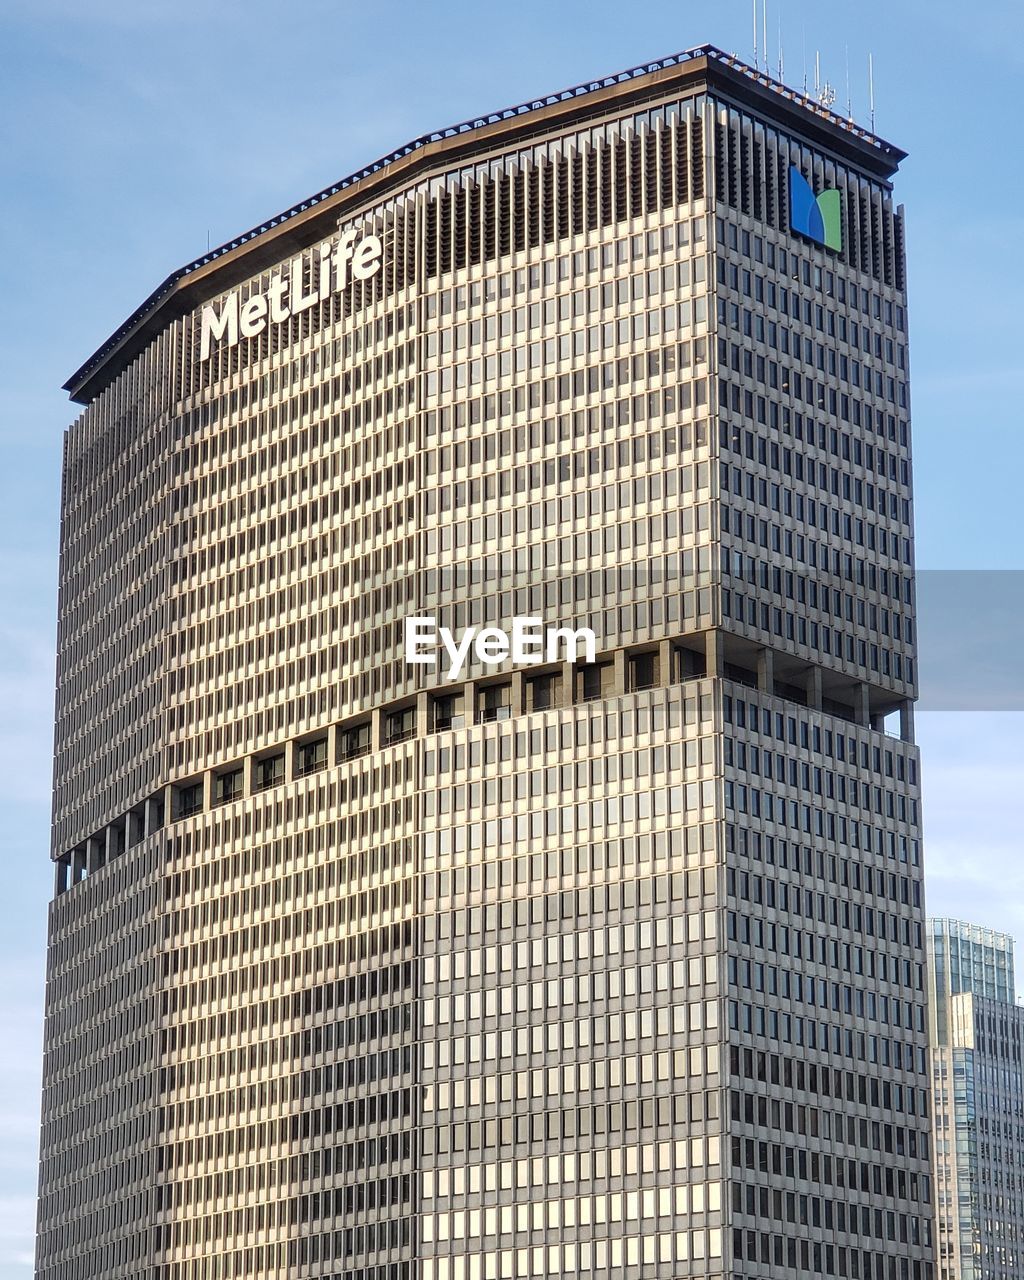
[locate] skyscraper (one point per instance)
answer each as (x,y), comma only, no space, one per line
(977,1033)
(610,968)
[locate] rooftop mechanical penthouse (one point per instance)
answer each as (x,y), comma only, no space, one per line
(607,968)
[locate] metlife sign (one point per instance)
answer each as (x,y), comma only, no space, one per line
(350,257)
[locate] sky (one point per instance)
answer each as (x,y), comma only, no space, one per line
(132,135)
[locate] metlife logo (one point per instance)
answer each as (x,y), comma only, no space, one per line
(819,218)
(295,289)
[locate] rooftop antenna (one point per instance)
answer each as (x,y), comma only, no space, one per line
(805,59)
(782,63)
(756,62)
(871,88)
(849,100)
(764,35)
(823,90)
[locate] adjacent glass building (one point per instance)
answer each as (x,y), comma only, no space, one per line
(977,1032)
(553,970)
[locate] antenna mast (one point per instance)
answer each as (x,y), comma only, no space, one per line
(871,88)
(805,57)
(764,34)
(756,62)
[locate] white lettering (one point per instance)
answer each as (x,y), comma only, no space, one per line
(278,311)
(528,643)
(492,646)
(527,635)
(458,651)
(351,257)
(342,254)
(215,327)
(298,300)
(366,259)
(420,634)
(252,319)
(324,271)
(572,642)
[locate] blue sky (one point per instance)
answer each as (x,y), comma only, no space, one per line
(133,132)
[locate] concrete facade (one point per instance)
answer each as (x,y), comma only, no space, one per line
(595,971)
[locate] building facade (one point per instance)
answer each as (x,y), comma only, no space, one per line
(602,969)
(977,1032)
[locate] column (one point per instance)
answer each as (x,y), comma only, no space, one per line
(619,682)
(814,688)
(766,671)
(666,675)
(713,648)
(518,693)
(61,868)
(423,725)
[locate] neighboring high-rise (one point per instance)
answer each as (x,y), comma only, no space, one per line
(611,969)
(977,1051)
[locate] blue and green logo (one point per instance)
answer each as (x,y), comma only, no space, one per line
(817,217)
